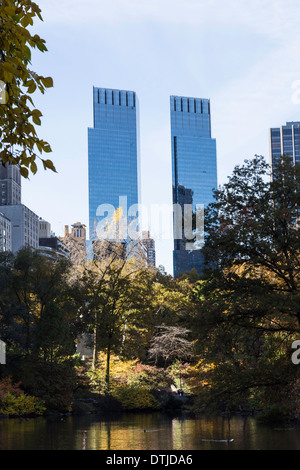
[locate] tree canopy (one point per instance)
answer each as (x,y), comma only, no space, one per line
(247,314)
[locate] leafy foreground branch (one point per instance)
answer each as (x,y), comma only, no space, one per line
(19,141)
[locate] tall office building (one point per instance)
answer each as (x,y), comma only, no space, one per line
(194,169)
(10,185)
(5,233)
(149,245)
(113,154)
(285,140)
(24,226)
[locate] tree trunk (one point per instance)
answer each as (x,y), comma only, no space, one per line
(95,349)
(298,318)
(107,371)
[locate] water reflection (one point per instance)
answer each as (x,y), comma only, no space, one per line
(153,431)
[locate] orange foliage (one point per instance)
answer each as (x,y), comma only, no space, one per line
(7,386)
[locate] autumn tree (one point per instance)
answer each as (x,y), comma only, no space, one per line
(254,232)
(30,282)
(53,339)
(170,343)
(38,312)
(19,141)
(111,283)
(50,373)
(124,299)
(247,309)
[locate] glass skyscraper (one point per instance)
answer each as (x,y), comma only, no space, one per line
(194,168)
(113,153)
(285,140)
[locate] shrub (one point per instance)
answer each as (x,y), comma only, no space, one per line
(120,370)
(276,413)
(134,397)
(53,383)
(20,405)
(150,377)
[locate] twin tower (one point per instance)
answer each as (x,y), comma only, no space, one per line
(114,161)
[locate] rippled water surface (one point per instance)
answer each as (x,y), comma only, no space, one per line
(155,431)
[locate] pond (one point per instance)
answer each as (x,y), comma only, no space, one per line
(145,431)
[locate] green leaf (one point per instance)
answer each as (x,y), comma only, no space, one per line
(25,21)
(41,46)
(27,53)
(47,82)
(49,164)
(36,112)
(31,86)
(33,167)
(36,117)
(39,146)
(46,147)
(16,18)
(24,172)
(36,120)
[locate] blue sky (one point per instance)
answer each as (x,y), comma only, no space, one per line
(244,57)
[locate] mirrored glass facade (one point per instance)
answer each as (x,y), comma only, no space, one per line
(113,152)
(285,140)
(194,167)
